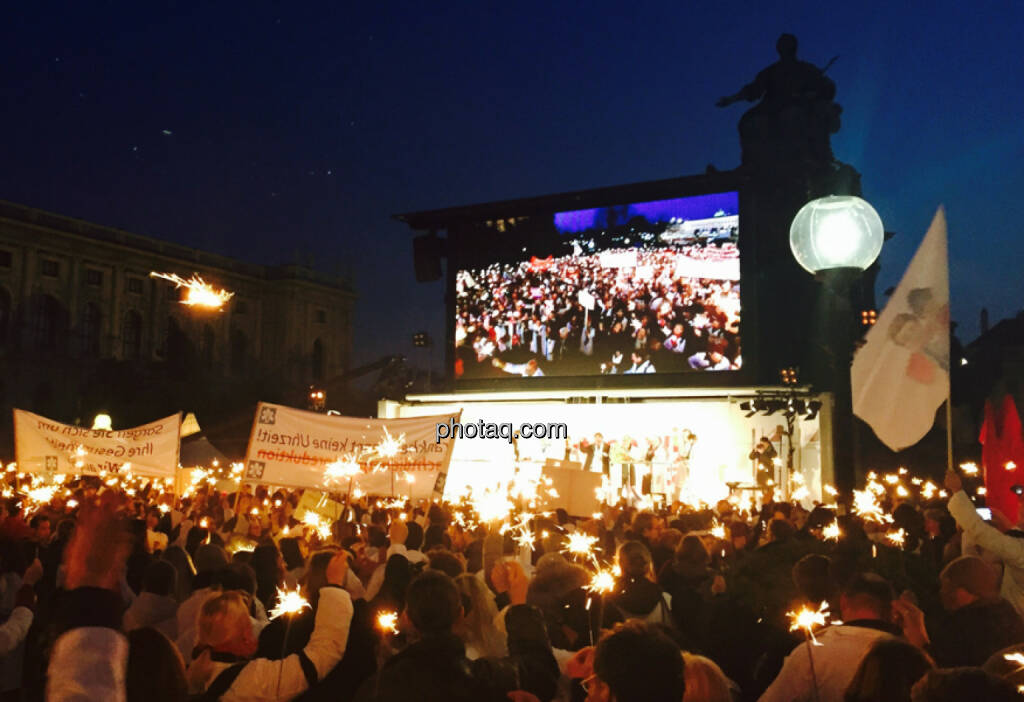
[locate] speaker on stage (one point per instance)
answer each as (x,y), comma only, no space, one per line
(427,251)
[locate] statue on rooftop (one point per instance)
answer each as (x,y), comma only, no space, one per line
(795,116)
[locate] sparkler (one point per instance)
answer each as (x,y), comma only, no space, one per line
(602,582)
(581,544)
(832,532)
(198,293)
(865,505)
(969,468)
(288,602)
(718,530)
(806,618)
(897,538)
(387,622)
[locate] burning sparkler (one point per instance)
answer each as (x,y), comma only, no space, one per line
(807,619)
(602,582)
(387,622)
(581,544)
(832,532)
(897,538)
(969,468)
(288,602)
(198,293)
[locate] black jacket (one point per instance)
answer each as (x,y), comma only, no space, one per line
(968,636)
(434,669)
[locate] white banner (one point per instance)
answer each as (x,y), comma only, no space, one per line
(42,445)
(293,448)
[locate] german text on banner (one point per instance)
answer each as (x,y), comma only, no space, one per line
(293,448)
(42,445)
(900,376)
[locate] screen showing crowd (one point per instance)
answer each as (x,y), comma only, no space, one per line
(651,287)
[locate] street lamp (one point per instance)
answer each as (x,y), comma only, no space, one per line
(836,238)
(836,232)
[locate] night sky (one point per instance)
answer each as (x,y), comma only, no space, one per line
(283,132)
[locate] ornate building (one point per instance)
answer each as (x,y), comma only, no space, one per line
(84,328)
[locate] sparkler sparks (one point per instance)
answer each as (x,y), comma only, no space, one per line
(866,506)
(288,602)
(602,582)
(807,619)
(832,532)
(198,293)
(969,468)
(897,538)
(718,530)
(388,622)
(581,544)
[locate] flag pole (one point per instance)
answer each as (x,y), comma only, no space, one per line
(949,426)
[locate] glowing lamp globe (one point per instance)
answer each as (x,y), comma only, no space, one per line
(836,232)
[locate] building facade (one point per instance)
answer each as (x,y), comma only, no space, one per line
(84,327)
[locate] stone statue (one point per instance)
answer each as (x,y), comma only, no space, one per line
(795,115)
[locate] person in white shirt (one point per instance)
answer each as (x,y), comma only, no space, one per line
(530,369)
(978,533)
(641,363)
(866,609)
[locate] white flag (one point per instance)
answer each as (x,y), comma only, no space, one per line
(900,376)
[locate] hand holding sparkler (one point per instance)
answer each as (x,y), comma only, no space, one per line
(337,569)
(953,482)
(910,619)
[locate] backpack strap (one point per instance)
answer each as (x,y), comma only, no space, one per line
(308,669)
(221,684)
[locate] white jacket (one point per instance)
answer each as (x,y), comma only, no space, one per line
(1008,549)
(15,629)
(264,680)
(835,662)
(88,664)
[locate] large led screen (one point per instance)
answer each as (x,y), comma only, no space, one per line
(648,287)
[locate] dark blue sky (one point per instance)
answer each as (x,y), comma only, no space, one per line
(299,128)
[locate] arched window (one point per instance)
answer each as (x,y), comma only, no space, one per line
(48,325)
(131,336)
(318,360)
(239,351)
(209,339)
(92,328)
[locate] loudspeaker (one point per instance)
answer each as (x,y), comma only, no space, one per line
(426,257)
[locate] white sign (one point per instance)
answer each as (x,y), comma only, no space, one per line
(293,448)
(43,445)
(586,299)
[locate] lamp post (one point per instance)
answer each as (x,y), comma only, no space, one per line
(836,238)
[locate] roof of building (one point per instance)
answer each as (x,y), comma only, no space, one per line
(118,237)
(581,199)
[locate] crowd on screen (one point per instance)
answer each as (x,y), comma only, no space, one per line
(148,597)
(573,315)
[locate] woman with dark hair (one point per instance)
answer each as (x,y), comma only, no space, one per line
(186,571)
(887,672)
(269,568)
(294,563)
(687,579)
(397,576)
(155,671)
(637,595)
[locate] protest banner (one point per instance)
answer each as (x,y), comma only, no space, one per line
(293,448)
(42,445)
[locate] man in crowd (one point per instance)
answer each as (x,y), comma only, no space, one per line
(636,663)
(866,606)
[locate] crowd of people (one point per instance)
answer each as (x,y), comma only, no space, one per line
(626,310)
(151,597)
